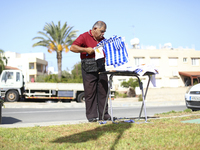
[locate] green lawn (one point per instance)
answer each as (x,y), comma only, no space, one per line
(166,133)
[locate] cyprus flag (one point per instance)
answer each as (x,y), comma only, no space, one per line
(99,52)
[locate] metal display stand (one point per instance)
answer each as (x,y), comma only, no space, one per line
(127,73)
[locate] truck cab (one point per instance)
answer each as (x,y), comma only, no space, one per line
(11,85)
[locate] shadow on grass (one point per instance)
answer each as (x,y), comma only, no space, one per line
(96,133)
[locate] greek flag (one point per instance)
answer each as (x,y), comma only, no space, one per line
(115,51)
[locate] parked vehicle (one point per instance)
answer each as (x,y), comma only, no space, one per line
(13,88)
(192,97)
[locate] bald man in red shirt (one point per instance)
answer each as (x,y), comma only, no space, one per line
(95,84)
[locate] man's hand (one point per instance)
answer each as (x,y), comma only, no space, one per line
(89,50)
(78,49)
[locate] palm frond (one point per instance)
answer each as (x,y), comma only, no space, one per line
(1,51)
(3,59)
(70,37)
(44,34)
(41,43)
(40,38)
(56,35)
(66,31)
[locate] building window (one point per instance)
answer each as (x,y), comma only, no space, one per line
(173,61)
(138,60)
(184,59)
(39,67)
(195,61)
(155,61)
(31,65)
(32,78)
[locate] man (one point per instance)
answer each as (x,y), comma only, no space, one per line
(95,84)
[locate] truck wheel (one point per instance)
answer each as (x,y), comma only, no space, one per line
(12,96)
(81,97)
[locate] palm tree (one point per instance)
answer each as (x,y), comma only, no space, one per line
(56,39)
(3,60)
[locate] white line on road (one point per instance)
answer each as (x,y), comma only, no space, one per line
(46,111)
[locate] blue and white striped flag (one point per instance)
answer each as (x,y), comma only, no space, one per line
(115,51)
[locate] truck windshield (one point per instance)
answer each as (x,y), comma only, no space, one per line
(6,76)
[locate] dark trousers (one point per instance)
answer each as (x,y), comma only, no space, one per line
(95,88)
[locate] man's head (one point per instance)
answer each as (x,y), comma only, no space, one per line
(98,30)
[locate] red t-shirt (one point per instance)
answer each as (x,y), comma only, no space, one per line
(86,40)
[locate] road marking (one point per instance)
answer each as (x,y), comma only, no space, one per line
(46,111)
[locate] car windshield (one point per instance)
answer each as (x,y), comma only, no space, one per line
(188,89)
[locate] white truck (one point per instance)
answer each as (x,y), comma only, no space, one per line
(13,88)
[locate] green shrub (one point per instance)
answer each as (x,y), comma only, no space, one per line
(117,94)
(140,97)
(130,83)
(187,110)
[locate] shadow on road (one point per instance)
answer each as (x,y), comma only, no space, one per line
(9,120)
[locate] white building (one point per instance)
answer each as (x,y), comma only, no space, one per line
(31,64)
(51,70)
(177,67)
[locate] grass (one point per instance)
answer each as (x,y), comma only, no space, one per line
(166,133)
(177,113)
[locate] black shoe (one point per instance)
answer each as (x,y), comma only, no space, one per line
(114,118)
(92,120)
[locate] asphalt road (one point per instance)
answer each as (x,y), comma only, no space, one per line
(25,117)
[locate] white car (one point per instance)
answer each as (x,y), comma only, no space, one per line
(192,97)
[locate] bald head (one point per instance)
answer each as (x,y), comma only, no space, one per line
(98,30)
(99,24)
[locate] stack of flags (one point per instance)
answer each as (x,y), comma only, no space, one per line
(114,49)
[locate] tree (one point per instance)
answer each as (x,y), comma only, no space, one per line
(66,74)
(76,71)
(3,60)
(74,77)
(131,84)
(56,39)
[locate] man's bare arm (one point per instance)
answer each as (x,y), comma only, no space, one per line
(78,49)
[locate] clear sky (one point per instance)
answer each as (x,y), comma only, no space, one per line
(154,22)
